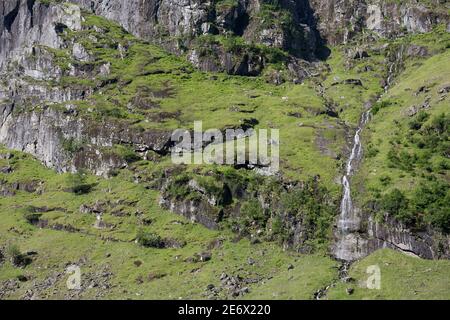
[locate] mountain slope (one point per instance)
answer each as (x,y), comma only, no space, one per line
(96,102)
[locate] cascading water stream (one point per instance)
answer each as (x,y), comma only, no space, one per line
(348,221)
(350,245)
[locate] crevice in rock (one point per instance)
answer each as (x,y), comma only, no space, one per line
(11,17)
(30,5)
(396,247)
(241,24)
(6,114)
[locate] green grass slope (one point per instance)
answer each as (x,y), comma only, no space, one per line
(112,264)
(401,277)
(406,156)
(406,166)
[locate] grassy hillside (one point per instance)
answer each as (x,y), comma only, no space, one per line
(114,266)
(406,167)
(149,88)
(402,277)
(142,251)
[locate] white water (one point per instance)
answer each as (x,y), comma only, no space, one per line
(348,221)
(349,245)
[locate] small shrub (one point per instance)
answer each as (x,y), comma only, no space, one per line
(72,145)
(16,257)
(380,105)
(252,210)
(432,200)
(396,204)
(149,239)
(371,151)
(419,120)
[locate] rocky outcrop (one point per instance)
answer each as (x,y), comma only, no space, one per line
(298,27)
(28,35)
(372,234)
(427,244)
(27,23)
(259,209)
(35,115)
(196,211)
(301,28)
(67,142)
(183,27)
(341,20)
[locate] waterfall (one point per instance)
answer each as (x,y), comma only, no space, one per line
(350,245)
(348,220)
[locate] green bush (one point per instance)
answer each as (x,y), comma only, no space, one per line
(252,210)
(313,207)
(127,153)
(380,105)
(419,120)
(432,201)
(72,145)
(371,151)
(277,225)
(149,239)
(429,205)
(385,180)
(396,204)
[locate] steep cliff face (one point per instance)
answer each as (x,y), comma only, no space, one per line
(36,59)
(427,244)
(198,28)
(300,27)
(204,30)
(68,142)
(390,233)
(25,23)
(29,32)
(341,20)
(255,20)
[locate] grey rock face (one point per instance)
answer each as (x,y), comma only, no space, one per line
(26,23)
(177,24)
(30,30)
(389,233)
(28,33)
(311,24)
(392,234)
(196,211)
(44,134)
(341,20)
